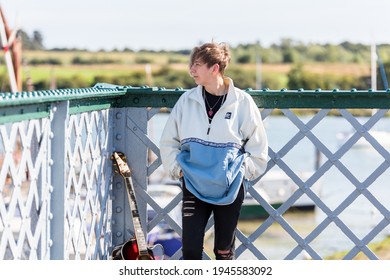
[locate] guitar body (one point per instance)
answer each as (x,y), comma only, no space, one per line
(129,251)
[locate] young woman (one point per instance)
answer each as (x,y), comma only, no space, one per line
(215,142)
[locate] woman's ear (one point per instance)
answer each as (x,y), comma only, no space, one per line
(216,68)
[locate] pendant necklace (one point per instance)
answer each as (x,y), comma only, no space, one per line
(210,111)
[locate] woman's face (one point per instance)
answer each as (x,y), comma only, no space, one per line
(200,72)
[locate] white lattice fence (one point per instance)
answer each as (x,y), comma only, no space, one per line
(88,171)
(25,189)
(28,203)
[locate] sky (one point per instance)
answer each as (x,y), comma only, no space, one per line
(181,24)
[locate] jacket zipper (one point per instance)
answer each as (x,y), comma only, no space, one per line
(209,127)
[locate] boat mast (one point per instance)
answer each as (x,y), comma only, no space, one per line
(382,71)
(258,65)
(10,41)
(373,67)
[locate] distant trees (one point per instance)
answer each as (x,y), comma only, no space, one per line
(35,42)
(293,54)
(286,51)
(290,51)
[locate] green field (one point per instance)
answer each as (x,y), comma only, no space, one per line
(170,70)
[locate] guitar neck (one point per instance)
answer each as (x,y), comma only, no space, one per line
(139,234)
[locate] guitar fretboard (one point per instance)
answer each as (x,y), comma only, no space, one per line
(139,234)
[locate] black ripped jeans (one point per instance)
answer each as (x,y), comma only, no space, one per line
(196,213)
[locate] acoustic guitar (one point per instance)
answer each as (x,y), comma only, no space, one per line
(134,248)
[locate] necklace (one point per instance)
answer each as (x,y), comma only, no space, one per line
(210,111)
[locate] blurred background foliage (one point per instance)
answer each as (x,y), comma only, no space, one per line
(288,64)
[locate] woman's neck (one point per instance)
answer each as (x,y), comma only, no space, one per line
(218,87)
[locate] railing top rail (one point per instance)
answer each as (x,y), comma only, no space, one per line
(99,91)
(266,98)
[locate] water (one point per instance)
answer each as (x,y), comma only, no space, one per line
(360,217)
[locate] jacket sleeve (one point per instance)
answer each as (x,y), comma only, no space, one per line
(256,143)
(170,144)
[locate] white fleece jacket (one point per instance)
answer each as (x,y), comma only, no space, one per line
(238,121)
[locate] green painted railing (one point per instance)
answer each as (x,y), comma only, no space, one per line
(281,99)
(106,96)
(73,131)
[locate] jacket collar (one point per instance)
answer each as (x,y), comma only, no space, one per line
(231,97)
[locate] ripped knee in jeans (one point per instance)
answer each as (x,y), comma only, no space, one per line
(229,255)
(188,206)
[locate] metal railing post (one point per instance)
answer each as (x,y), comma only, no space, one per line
(129,125)
(60,113)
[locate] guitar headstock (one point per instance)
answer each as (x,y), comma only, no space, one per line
(119,159)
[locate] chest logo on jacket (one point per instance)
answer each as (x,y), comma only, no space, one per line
(228,115)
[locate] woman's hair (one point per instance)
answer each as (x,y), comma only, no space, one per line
(212,53)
